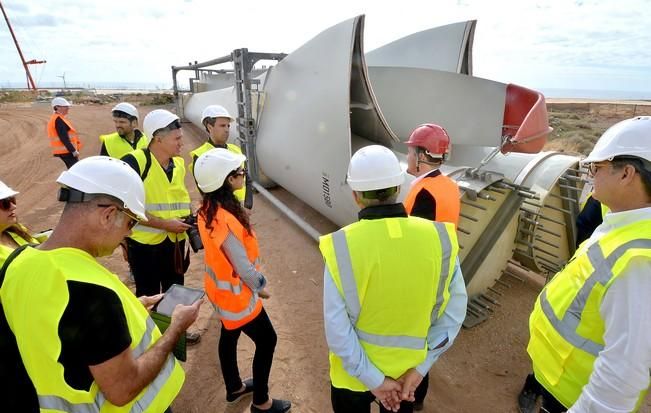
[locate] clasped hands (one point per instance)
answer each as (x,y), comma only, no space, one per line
(391,392)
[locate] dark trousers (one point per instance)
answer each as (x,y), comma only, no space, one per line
(263,335)
(549,402)
(68,159)
(421,390)
(348,401)
(153,266)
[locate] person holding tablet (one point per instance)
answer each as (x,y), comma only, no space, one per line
(233,281)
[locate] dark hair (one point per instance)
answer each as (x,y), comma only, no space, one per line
(123,115)
(209,121)
(642,166)
(176,124)
(380,194)
(223,198)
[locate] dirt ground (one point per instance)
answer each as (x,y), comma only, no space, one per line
(483,371)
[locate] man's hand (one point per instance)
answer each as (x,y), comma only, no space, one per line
(176,226)
(148,301)
(184,315)
(409,381)
(388,393)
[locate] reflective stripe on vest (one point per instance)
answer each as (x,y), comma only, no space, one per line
(367,261)
(233,300)
(163,199)
(173,206)
(603,273)
(223,285)
(59,403)
(39,346)
(351,297)
(566,327)
(57,147)
(228,315)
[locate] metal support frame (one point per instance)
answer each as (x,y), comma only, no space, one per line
(243,62)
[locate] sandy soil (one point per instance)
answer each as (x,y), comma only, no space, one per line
(483,371)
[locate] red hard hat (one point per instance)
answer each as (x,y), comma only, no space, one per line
(433,138)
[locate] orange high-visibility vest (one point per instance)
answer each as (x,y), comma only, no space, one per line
(57,147)
(232,298)
(446,193)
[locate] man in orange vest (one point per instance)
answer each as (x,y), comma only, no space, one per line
(64,142)
(433,195)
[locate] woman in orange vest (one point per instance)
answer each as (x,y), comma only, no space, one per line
(232,281)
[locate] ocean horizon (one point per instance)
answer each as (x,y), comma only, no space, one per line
(606,94)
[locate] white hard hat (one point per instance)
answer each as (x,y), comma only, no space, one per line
(6,192)
(215,111)
(108,176)
(212,168)
(60,102)
(630,137)
(127,108)
(374,167)
(157,119)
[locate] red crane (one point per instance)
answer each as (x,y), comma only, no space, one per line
(30,82)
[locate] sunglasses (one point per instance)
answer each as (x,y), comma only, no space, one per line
(593,167)
(6,202)
(132,219)
(238,172)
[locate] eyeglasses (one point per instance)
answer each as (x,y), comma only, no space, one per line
(6,202)
(593,167)
(132,219)
(239,172)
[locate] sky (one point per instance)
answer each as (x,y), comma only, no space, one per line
(548,44)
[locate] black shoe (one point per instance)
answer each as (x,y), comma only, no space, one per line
(418,406)
(529,395)
(235,397)
(277,406)
(192,338)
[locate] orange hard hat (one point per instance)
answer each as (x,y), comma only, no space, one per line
(431,137)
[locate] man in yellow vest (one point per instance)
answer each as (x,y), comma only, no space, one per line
(394,297)
(156,248)
(64,141)
(590,328)
(217,121)
(74,338)
(127,137)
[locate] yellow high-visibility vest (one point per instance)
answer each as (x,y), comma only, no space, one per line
(117,146)
(6,251)
(394,275)
(39,280)
(163,199)
(566,326)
